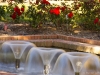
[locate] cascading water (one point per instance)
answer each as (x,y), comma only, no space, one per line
(46,55)
(91,66)
(63,66)
(17,48)
(78,59)
(47,61)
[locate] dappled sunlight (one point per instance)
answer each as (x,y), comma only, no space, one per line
(15,37)
(95,49)
(92,49)
(26,38)
(87,49)
(77,31)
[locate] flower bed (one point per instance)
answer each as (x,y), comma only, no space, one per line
(79,14)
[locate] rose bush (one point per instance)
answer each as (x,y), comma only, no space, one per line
(83,13)
(43,12)
(87,16)
(17,13)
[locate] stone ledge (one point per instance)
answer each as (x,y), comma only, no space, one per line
(58,36)
(63,41)
(77,39)
(68,45)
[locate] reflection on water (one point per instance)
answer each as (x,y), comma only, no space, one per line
(90,73)
(9,67)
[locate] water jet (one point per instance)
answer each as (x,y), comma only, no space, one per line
(61,60)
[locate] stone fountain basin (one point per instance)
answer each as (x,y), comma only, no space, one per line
(10,59)
(86,61)
(6,53)
(88,66)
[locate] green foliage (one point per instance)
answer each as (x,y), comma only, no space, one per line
(86,15)
(79,13)
(35,15)
(2,12)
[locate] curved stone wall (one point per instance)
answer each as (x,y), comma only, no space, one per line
(60,41)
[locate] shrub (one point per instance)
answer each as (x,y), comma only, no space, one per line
(81,13)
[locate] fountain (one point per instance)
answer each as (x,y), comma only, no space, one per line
(78,59)
(91,66)
(47,61)
(45,57)
(63,66)
(18,48)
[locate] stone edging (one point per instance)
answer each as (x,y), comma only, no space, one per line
(63,41)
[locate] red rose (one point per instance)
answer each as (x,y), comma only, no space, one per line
(51,11)
(70,15)
(55,11)
(22,9)
(13,16)
(45,2)
(57,8)
(96,20)
(19,13)
(63,8)
(16,9)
